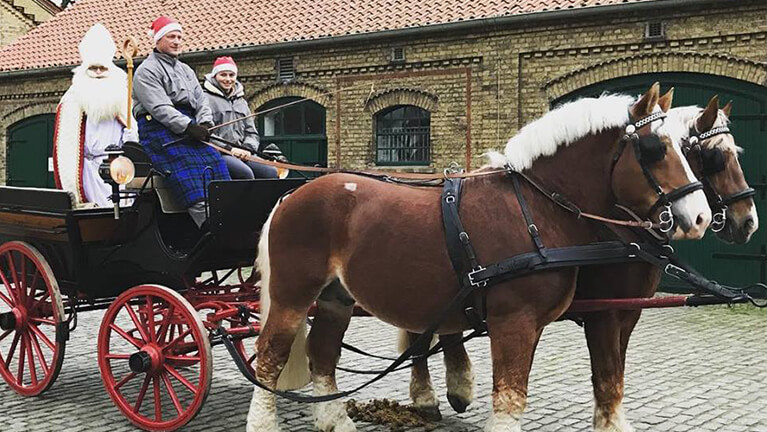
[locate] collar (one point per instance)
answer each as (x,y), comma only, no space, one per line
(167,58)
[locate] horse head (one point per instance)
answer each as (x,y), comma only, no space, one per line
(670,193)
(713,155)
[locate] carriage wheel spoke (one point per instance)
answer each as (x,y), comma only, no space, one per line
(182,358)
(19,289)
(172,393)
(178,339)
(157,401)
(22,351)
(39,351)
(43,321)
(165,325)
(8,287)
(42,336)
(45,297)
(141,394)
(33,286)
(150,318)
(23,280)
(12,350)
(6,300)
(252,359)
(137,323)
(5,335)
(31,360)
(123,381)
(180,378)
(135,342)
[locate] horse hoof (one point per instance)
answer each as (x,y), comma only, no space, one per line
(431,413)
(458,403)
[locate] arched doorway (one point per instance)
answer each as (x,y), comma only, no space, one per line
(28,152)
(298,129)
(731,264)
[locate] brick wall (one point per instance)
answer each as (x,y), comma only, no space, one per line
(480,88)
(12,24)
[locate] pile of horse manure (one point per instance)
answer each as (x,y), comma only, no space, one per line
(387,412)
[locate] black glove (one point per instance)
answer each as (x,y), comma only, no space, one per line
(197,132)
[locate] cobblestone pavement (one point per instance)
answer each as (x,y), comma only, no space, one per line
(688,370)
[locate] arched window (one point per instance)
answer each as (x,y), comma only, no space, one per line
(402,136)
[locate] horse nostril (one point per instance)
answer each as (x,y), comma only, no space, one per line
(700,220)
(748,224)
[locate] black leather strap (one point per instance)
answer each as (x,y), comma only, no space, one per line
(532,229)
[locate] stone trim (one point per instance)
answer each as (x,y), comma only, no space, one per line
(393,67)
(713,64)
(293,88)
(401,96)
(21,96)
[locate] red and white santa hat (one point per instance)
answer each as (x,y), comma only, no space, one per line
(162,26)
(224,63)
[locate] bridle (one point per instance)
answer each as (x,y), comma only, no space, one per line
(645,141)
(712,165)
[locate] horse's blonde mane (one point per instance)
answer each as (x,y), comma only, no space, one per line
(563,125)
(684,119)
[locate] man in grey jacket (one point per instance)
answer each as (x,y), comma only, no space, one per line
(168,104)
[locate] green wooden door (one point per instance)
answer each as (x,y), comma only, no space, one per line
(29,151)
(298,129)
(732,264)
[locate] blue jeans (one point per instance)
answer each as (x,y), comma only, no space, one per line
(248,170)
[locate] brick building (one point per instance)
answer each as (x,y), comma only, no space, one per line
(418,85)
(19,16)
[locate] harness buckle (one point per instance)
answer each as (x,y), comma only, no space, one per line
(673,270)
(532,230)
(450,199)
(719,220)
(638,248)
(666,219)
(476,283)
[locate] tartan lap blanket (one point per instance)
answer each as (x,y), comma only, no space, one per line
(191,164)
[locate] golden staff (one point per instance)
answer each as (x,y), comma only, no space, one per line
(130,49)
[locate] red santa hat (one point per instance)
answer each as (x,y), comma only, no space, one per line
(224,63)
(162,26)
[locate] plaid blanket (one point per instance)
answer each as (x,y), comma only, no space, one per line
(192,165)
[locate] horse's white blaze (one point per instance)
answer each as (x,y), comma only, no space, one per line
(295,374)
(503,422)
(330,416)
(350,186)
(262,415)
(615,422)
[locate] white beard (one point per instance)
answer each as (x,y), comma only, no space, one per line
(100,98)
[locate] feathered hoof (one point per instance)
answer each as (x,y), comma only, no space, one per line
(430,413)
(458,403)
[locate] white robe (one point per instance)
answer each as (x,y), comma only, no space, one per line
(98,136)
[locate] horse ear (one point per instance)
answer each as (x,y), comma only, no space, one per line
(708,117)
(727,109)
(665,101)
(647,102)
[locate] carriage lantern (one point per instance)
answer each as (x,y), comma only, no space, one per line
(116,170)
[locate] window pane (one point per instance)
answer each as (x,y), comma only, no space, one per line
(292,120)
(403,136)
(315,120)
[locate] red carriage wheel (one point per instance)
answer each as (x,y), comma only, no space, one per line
(155,358)
(31,320)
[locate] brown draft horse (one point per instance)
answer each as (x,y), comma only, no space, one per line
(608,332)
(345,238)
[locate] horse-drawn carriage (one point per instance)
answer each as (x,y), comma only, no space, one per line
(56,260)
(166,286)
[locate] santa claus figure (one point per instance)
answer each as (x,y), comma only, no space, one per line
(91,117)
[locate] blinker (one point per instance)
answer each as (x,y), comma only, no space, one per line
(713,161)
(651,149)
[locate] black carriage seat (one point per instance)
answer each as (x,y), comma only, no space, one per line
(30,198)
(168,203)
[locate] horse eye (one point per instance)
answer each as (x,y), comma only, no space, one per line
(651,149)
(713,161)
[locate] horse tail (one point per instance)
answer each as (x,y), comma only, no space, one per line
(296,372)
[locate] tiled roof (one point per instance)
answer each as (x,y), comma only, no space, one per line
(213,24)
